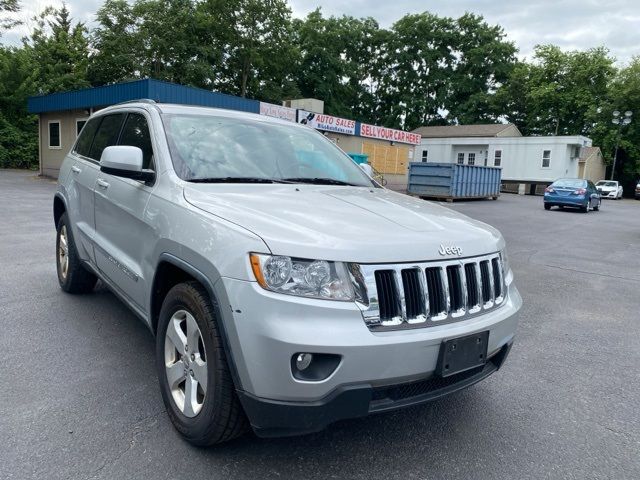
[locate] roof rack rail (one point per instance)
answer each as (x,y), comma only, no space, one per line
(138,100)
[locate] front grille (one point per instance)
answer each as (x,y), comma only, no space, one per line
(410,296)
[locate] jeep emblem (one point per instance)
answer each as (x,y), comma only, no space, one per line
(449,250)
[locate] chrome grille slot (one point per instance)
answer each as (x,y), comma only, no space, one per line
(485,280)
(473,287)
(428,293)
(456,289)
(437,302)
(388,297)
(414,295)
(497,279)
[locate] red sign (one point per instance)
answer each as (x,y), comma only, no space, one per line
(382,133)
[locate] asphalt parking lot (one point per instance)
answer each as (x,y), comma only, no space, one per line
(79,397)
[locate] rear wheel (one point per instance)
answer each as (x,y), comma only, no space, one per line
(597,207)
(72,276)
(195,382)
(586,208)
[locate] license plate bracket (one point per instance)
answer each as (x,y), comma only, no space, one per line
(463,353)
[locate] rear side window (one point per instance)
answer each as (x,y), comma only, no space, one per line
(136,133)
(106,135)
(83,145)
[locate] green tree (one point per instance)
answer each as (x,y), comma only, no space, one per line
(7,19)
(254,40)
(558,93)
(59,52)
(623,95)
(18,129)
(340,63)
(149,38)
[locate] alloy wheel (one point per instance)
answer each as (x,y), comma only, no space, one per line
(185,363)
(63,252)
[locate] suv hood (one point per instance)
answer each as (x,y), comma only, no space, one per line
(352,224)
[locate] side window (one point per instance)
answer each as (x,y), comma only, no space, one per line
(136,133)
(497,158)
(546,158)
(54,134)
(106,135)
(83,144)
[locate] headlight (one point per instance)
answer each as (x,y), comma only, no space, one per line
(302,277)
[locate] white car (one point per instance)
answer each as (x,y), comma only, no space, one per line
(609,189)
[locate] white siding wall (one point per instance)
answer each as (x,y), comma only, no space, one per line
(521,156)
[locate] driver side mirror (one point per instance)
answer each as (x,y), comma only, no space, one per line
(125,161)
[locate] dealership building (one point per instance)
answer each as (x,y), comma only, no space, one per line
(62,116)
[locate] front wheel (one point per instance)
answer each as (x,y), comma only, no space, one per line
(547,206)
(195,381)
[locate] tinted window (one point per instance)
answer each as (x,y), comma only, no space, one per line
(136,133)
(54,134)
(83,145)
(106,135)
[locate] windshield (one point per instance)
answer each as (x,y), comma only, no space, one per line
(571,183)
(212,148)
(607,184)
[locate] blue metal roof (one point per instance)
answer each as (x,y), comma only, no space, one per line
(160,91)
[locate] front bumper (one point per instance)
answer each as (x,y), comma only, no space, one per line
(608,194)
(268,329)
(271,418)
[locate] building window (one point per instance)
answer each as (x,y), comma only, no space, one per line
(425,154)
(79,124)
(546,158)
(486,157)
(54,134)
(497,158)
(461,159)
(471,159)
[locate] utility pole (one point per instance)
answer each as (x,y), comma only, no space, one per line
(620,121)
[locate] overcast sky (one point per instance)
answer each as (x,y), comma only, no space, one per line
(571,24)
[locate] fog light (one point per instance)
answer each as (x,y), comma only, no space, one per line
(303,360)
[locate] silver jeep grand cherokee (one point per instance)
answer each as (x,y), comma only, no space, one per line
(286,289)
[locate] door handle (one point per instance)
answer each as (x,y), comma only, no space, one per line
(75,169)
(102,184)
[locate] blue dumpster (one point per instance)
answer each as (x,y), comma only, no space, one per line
(451,181)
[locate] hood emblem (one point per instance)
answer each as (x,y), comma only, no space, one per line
(450,250)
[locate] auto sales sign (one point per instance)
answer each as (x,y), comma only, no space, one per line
(327,123)
(390,134)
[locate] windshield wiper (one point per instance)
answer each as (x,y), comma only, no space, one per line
(236,180)
(321,181)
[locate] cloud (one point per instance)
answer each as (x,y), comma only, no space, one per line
(570,24)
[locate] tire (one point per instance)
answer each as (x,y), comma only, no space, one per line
(597,209)
(72,275)
(586,208)
(547,207)
(214,415)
